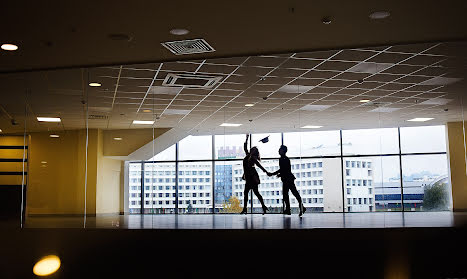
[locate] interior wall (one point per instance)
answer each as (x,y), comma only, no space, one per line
(12,151)
(57,173)
(457,165)
(131,140)
(108,181)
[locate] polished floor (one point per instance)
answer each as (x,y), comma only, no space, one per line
(255,221)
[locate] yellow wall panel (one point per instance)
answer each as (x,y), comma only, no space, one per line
(13,166)
(11,179)
(12,140)
(13,153)
(457,165)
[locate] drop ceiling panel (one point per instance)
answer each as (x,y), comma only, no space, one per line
(298,89)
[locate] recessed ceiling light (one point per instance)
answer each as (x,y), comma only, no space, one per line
(43,162)
(230,125)
(420,119)
(54,136)
(179,31)
(311,127)
(46,266)
(249,105)
(364,101)
(379,15)
(146,110)
(49,119)
(95,84)
(117,138)
(326,20)
(143,122)
(9,47)
(1,130)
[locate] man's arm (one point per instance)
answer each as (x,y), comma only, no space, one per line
(278,172)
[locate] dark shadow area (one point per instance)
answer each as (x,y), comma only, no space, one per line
(320,253)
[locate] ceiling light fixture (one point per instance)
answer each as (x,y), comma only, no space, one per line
(230,125)
(379,15)
(46,266)
(9,47)
(364,101)
(117,138)
(326,20)
(420,119)
(249,105)
(95,84)
(54,136)
(143,122)
(146,110)
(311,127)
(1,131)
(179,31)
(49,119)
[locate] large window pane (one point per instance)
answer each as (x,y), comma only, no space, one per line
(319,184)
(426,182)
(270,187)
(423,139)
(303,144)
(159,188)
(372,184)
(134,184)
(166,155)
(228,176)
(195,148)
(195,187)
(370,141)
(229,146)
(269,149)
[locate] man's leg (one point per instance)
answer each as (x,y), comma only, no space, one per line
(285,197)
(295,192)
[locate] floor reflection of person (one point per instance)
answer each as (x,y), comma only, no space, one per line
(288,181)
(250,175)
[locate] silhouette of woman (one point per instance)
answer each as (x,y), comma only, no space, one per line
(250,175)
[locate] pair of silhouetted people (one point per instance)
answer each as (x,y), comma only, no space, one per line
(252,181)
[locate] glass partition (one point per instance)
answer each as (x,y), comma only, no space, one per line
(426,183)
(304,144)
(370,141)
(195,148)
(326,180)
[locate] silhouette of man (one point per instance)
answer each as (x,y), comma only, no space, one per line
(288,181)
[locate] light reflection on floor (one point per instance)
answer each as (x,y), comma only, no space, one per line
(256,221)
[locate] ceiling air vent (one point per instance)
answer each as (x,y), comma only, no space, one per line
(97,116)
(188,46)
(190,80)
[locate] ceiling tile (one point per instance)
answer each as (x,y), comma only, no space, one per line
(403,69)
(384,77)
(300,63)
(336,65)
(353,55)
(389,58)
(317,54)
(264,61)
(337,83)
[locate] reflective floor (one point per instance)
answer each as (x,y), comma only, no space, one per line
(270,221)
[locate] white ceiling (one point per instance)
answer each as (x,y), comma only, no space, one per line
(309,88)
